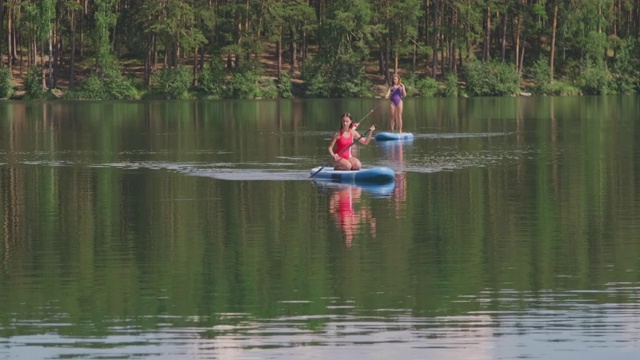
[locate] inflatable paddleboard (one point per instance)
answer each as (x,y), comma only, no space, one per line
(376,175)
(391,136)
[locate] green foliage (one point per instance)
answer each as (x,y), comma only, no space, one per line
(559,88)
(285,85)
(344,78)
(338,40)
(172,83)
(118,87)
(596,46)
(33,84)
(540,73)
(423,86)
(6,89)
(491,78)
(105,20)
(402,25)
(626,77)
(316,80)
(91,88)
(212,79)
(111,85)
(541,76)
(338,69)
(595,79)
(450,85)
(248,84)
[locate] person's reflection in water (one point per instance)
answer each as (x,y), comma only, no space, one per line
(395,152)
(342,206)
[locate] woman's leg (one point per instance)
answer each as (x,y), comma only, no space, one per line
(342,164)
(393,117)
(355,163)
(399,116)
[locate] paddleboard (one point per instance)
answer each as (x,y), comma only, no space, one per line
(391,136)
(376,175)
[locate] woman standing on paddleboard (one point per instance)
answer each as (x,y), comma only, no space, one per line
(396,93)
(342,140)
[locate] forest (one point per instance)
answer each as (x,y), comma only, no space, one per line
(250,49)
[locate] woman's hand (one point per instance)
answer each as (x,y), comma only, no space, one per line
(336,157)
(372,128)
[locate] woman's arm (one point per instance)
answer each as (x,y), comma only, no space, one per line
(361,139)
(404,91)
(333,143)
(388,94)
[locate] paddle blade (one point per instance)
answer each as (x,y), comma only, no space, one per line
(316,173)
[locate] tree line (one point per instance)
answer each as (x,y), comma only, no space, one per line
(116,49)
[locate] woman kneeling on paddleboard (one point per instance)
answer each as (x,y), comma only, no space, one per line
(342,140)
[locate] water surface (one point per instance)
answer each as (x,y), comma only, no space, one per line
(191,229)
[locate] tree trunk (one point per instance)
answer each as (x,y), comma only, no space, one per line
(293,64)
(148,60)
(387,61)
(395,62)
(517,40)
(279,57)
(521,59)
(554,28)
(2,10)
(305,46)
(487,34)
(57,57)
(72,73)
(201,61)
(10,35)
(154,44)
(504,37)
(434,65)
(414,58)
(452,58)
(50,82)
(195,67)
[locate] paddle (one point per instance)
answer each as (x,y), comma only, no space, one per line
(343,150)
(369,113)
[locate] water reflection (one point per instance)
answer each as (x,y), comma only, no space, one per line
(140,231)
(394,152)
(350,212)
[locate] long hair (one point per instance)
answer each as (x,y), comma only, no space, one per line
(349,116)
(399,79)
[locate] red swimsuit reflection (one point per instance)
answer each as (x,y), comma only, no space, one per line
(343,210)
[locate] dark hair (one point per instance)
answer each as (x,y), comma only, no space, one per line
(349,116)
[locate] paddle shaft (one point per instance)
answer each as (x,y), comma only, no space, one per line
(343,150)
(369,113)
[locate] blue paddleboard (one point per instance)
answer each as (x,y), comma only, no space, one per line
(391,136)
(376,175)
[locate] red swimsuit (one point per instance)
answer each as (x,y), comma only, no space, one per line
(343,142)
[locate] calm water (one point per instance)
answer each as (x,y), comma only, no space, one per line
(174,230)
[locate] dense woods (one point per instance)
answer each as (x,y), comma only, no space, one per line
(116,49)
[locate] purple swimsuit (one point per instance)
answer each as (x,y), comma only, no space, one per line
(396,95)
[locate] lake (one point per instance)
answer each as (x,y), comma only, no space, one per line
(191,229)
